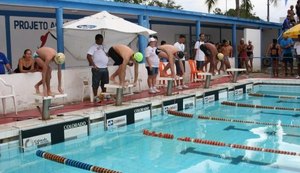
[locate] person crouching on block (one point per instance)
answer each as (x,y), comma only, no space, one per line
(210,52)
(172,53)
(122,56)
(43,57)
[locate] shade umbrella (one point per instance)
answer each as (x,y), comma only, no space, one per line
(293,32)
(79,34)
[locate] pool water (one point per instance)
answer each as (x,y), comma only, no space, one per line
(126,149)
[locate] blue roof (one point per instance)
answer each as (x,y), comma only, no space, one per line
(134,9)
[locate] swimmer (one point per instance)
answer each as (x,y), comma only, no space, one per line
(122,56)
(43,57)
(171,53)
(210,52)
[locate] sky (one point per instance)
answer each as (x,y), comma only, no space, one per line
(260,7)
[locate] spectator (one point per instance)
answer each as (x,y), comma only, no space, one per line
(297,48)
(26,63)
(286,46)
(226,50)
(242,49)
(291,13)
(44,56)
(98,59)
(152,62)
(286,23)
(180,71)
(123,56)
(199,55)
(298,11)
(250,48)
(4,64)
(274,51)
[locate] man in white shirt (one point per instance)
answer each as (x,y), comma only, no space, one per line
(199,55)
(98,60)
(297,48)
(180,72)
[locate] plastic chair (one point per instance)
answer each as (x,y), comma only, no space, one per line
(195,74)
(7,90)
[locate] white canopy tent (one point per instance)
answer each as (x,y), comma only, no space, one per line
(79,34)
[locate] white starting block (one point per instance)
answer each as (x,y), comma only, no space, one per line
(169,83)
(47,104)
(207,78)
(119,92)
(235,73)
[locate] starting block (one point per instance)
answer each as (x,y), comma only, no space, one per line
(119,92)
(169,83)
(207,78)
(47,104)
(235,73)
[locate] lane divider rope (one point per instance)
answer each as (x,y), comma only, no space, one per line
(228,103)
(273,96)
(73,163)
(237,146)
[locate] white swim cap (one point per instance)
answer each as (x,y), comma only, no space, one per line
(220,56)
(59,58)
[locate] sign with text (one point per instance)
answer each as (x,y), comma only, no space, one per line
(179,104)
(53,134)
(127,116)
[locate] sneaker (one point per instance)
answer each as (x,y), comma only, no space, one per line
(96,99)
(152,91)
(185,86)
(179,87)
(297,77)
(156,90)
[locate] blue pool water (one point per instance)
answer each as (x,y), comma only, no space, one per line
(127,150)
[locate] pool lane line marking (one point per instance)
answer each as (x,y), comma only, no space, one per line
(73,163)
(245,121)
(228,103)
(273,96)
(187,115)
(237,146)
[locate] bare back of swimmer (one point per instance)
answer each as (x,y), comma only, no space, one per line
(210,52)
(170,52)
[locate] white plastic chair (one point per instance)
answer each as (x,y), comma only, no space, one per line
(7,90)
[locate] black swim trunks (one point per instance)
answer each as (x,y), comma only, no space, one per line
(115,56)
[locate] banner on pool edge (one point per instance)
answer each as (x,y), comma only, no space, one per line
(53,134)
(127,116)
(179,104)
(211,96)
(244,88)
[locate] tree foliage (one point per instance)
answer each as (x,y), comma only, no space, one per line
(157,3)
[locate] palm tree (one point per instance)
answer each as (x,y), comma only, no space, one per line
(211,3)
(274,2)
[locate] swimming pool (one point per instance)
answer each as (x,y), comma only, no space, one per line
(126,149)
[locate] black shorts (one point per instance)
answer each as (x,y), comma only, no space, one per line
(115,56)
(100,74)
(287,58)
(153,71)
(178,70)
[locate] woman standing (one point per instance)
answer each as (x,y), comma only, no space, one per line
(250,54)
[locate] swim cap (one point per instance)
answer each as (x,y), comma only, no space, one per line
(59,58)
(180,54)
(220,56)
(138,56)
